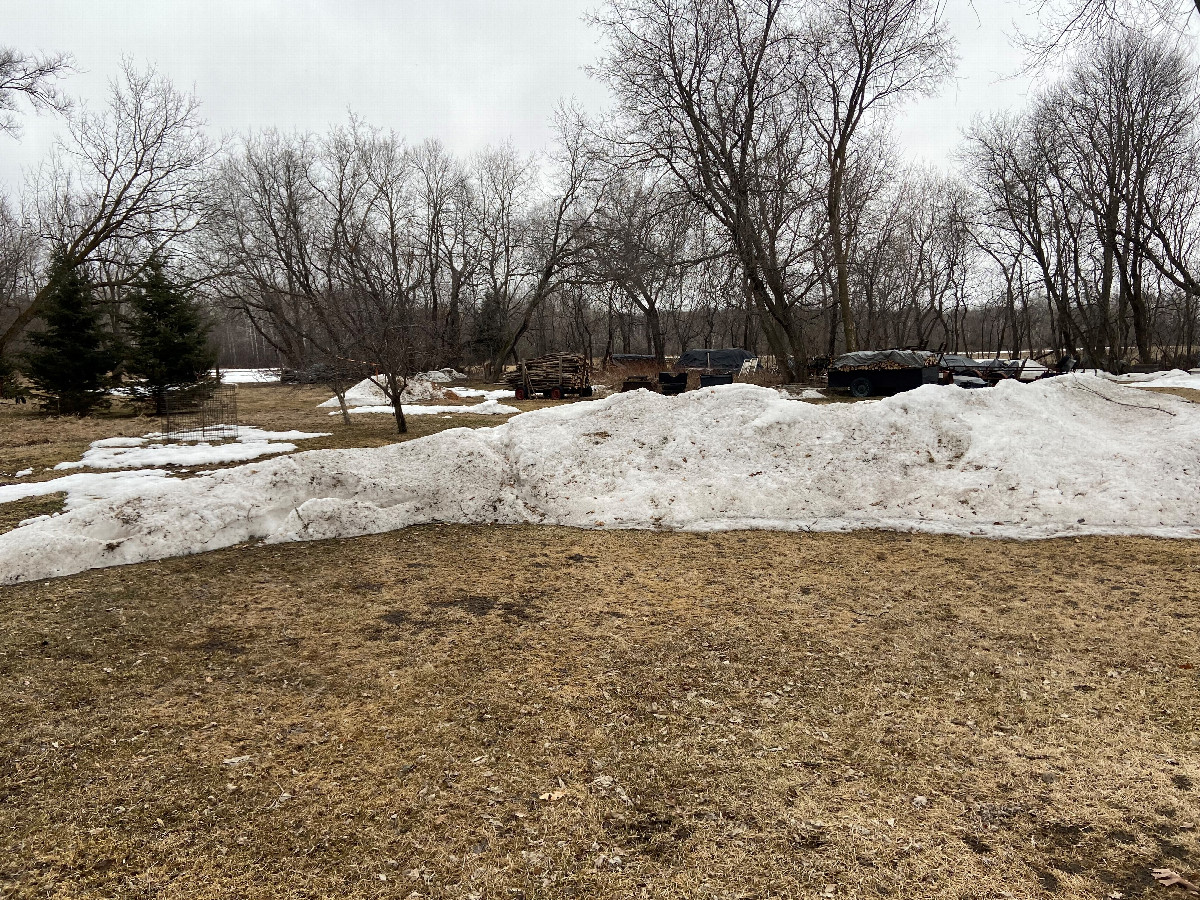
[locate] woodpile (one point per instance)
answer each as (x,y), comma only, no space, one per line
(569,372)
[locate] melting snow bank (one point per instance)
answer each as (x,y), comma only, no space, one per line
(1065,456)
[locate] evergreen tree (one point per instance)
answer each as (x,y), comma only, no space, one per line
(71,358)
(167,337)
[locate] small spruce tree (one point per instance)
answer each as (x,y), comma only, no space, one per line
(166,335)
(71,359)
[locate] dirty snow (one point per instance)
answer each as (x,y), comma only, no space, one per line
(1065,456)
(486,408)
(23,473)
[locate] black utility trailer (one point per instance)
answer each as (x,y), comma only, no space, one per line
(883,372)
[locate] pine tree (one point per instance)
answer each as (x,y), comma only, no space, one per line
(167,337)
(71,359)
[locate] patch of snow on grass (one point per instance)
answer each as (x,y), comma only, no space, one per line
(1064,456)
(191,454)
(464,393)
(249,376)
(87,487)
(1176,378)
(486,408)
(135,453)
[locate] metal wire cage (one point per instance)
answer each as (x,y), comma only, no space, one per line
(204,411)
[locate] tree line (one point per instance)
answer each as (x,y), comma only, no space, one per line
(742,189)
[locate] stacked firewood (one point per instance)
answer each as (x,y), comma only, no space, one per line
(568,371)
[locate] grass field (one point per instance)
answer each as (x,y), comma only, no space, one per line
(539,712)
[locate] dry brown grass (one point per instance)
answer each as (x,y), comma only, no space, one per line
(1185,393)
(525,712)
(14,513)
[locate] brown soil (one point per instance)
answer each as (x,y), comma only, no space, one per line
(540,712)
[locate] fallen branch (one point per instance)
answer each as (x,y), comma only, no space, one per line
(1170,878)
(1119,403)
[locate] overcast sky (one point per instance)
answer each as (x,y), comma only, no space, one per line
(470,72)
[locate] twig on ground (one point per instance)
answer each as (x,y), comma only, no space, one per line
(1171,878)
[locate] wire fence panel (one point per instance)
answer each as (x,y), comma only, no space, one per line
(201,412)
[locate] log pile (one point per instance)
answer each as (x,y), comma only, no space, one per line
(567,371)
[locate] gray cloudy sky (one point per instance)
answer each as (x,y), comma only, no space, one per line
(471,72)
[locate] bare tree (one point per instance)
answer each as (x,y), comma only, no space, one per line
(126,184)
(641,245)
(269,238)
(1062,23)
(529,253)
(18,257)
(31,77)
(707,93)
(864,57)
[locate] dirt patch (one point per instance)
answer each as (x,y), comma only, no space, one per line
(540,712)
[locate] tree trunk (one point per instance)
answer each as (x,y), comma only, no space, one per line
(840,263)
(657,340)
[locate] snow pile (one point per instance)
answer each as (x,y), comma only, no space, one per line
(442,376)
(486,408)
(368,393)
(368,397)
(1064,456)
(135,453)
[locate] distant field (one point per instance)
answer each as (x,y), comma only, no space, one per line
(540,712)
